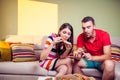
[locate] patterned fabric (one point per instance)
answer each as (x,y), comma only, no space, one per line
(115,50)
(49,63)
(52,54)
(23,52)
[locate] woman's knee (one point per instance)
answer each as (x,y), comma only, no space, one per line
(81,63)
(68,61)
(64,68)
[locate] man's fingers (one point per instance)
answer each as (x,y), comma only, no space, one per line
(75,53)
(83,55)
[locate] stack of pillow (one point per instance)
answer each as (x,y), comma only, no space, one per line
(17,52)
(21,48)
(115,53)
(23,52)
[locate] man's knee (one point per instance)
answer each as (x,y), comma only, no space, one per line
(109,65)
(117,70)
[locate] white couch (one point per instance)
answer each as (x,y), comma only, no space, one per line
(10,70)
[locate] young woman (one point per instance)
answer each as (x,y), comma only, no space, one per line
(56,49)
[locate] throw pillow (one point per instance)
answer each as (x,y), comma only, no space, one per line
(5,51)
(23,52)
(115,52)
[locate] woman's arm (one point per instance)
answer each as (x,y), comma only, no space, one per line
(68,46)
(45,52)
(50,43)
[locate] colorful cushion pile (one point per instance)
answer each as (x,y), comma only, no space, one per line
(23,52)
(115,50)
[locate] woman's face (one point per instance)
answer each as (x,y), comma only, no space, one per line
(65,33)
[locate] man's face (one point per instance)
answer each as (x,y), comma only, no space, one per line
(88,29)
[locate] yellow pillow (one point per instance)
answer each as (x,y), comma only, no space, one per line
(5,51)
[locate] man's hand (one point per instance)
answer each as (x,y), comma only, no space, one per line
(78,51)
(87,56)
(77,55)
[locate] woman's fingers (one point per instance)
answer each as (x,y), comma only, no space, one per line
(57,40)
(66,42)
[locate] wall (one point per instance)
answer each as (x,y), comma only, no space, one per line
(105,12)
(8,17)
(0,18)
(37,18)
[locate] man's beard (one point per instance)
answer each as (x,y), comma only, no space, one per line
(88,35)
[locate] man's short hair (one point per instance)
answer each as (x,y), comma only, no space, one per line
(88,18)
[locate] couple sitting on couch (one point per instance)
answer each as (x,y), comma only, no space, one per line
(94,50)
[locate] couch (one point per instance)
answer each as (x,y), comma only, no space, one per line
(30,70)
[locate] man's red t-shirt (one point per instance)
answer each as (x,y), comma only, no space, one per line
(95,48)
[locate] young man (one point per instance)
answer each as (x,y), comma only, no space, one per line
(94,50)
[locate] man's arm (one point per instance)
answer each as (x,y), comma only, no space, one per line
(105,56)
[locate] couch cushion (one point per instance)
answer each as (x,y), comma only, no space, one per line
(22,68)
(37,40)
(23,52)
(117,71)
(5,51)
(92,72)
(18,77)
(52,73)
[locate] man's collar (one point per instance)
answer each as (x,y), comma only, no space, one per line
(88,40)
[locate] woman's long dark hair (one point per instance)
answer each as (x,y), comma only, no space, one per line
(58,45)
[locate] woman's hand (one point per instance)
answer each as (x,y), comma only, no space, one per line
(57,40)
(68,45)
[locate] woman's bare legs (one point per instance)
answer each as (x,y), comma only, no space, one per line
(61,70)
(66,62)
(78,65)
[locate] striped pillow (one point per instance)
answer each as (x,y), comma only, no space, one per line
(115,50)
(23,52)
